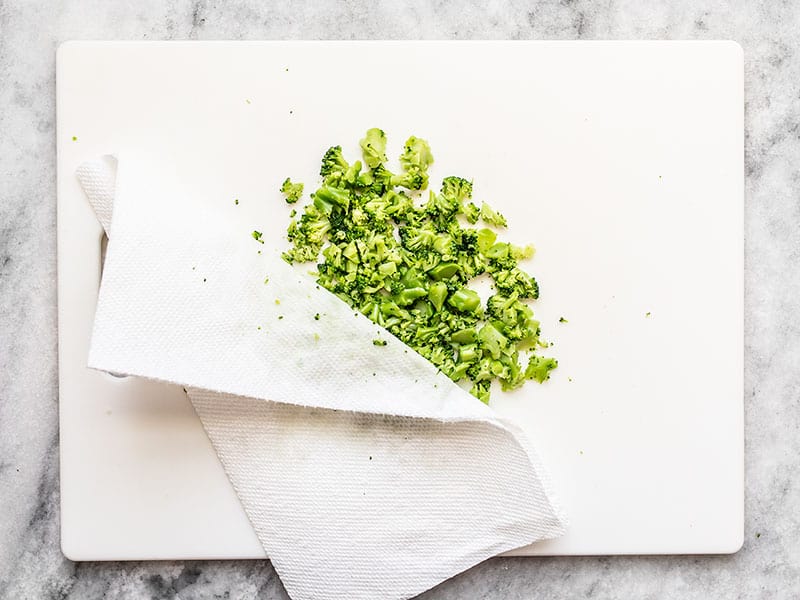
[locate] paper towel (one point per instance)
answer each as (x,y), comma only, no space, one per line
(365,472)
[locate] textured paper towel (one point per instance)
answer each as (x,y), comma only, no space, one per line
(364,471)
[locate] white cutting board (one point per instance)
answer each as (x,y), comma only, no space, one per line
(622,163)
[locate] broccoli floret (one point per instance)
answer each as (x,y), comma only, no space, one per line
(516,281)
(416,155)
(389,180)
(415,160)
(328,198)
(333,163)
(292,191)
(539,368)
(412,180)
(373,147)
(471,212)
(492,217)
(352,174)
(481,390)
(521,253)
(457,189)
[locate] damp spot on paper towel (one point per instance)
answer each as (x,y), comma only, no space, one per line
(247,100)
(316,337)
(580,452)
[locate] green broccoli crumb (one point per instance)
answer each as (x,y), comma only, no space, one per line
(562,320)
(647,314)
(379,342)
(257,236)
(74,138)
(292,191)
(316,317)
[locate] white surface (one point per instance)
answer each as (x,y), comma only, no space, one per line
(623,160)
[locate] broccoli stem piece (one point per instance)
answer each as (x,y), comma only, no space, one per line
(465,300)
(437,294)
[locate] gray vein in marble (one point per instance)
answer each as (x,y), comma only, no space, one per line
(31,564)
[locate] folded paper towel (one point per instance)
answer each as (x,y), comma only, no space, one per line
(364,471)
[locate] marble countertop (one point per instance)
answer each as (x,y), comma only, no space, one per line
(31,563)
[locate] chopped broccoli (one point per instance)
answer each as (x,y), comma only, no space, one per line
(416,155)
(333,163)
(373,146)
(292,191)
(415,160)
(408,267)
(492,217)
(539,368)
